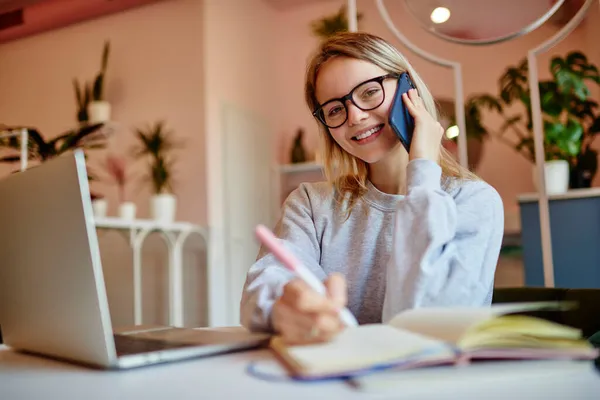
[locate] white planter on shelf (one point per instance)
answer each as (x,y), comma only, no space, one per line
(99,206)
(98,111)
(127,210)
(557,176)
(163,207)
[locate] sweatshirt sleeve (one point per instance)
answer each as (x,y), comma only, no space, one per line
(267,276)
(445,247)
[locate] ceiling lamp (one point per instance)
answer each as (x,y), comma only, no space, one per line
(452,132)
(440,15)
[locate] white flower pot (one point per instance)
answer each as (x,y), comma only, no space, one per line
(127,211)
(557,176)
(98,112)
(163,207)
(99,206)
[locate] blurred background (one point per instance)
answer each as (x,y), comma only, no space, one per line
(191,112)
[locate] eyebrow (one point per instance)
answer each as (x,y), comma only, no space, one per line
(339,97)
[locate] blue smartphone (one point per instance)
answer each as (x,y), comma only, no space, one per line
(402,123)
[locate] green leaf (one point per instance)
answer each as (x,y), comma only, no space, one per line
(591,72)
(572,148)
(10,159)
(525,142)
(329,26)
(576,58)
(76,138)
(510,122)
(551,101)
(484,101)
(583,110)
(557,64)
(553,130)
(155,142)
(573,130)
(513,84)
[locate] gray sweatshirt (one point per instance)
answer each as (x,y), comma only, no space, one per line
(436,246)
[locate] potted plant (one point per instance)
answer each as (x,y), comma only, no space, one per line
(87,137)
(329,26)
(570,120)
(98,107)
(117,171)
(83,95)
(99,205)
(155,145)
(298,153)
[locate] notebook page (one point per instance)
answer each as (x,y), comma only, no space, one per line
(447,324)
(360,348)
(450,323)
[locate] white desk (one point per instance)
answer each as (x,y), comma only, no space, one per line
(224,377)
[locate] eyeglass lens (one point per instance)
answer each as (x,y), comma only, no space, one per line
(367,96)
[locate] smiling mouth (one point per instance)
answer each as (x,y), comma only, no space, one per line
(368,133)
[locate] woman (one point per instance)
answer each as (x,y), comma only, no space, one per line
(391,229)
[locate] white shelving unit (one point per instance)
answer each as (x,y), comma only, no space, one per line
(300,167)
(175,235)
(287,177)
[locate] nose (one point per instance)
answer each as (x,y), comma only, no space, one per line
(355,114)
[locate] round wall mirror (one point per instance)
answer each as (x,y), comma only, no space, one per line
(489,21)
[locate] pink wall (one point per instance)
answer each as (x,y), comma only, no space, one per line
(239,56)
(154,72)
(482,66)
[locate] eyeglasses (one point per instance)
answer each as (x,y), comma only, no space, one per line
(367,96)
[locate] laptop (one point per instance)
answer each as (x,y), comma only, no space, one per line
(53,298)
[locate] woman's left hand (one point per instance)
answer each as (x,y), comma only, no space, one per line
(426,140)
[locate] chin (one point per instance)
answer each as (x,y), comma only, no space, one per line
(373,157)
(376,155)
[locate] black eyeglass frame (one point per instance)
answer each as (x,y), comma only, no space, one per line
(318,112)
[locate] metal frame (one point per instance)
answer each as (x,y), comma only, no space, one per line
(538,137)
(459,103)
(481,42)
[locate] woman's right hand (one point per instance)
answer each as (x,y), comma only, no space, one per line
(302,315)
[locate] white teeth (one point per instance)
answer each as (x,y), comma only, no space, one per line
(367,133)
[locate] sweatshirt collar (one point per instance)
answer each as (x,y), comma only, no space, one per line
(381,200)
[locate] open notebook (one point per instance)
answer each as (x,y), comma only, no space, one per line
(436,336)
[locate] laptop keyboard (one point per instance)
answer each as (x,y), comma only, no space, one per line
(126,344)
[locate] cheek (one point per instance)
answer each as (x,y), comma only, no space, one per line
(384,109)
(339,135)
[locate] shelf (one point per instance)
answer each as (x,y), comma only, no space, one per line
(570,194)
(300,167)
(119,223)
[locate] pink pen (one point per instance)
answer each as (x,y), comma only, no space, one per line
(294,265)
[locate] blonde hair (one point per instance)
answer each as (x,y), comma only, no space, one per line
(346,172)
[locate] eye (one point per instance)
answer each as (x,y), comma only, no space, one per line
(334,111)
(371,92)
